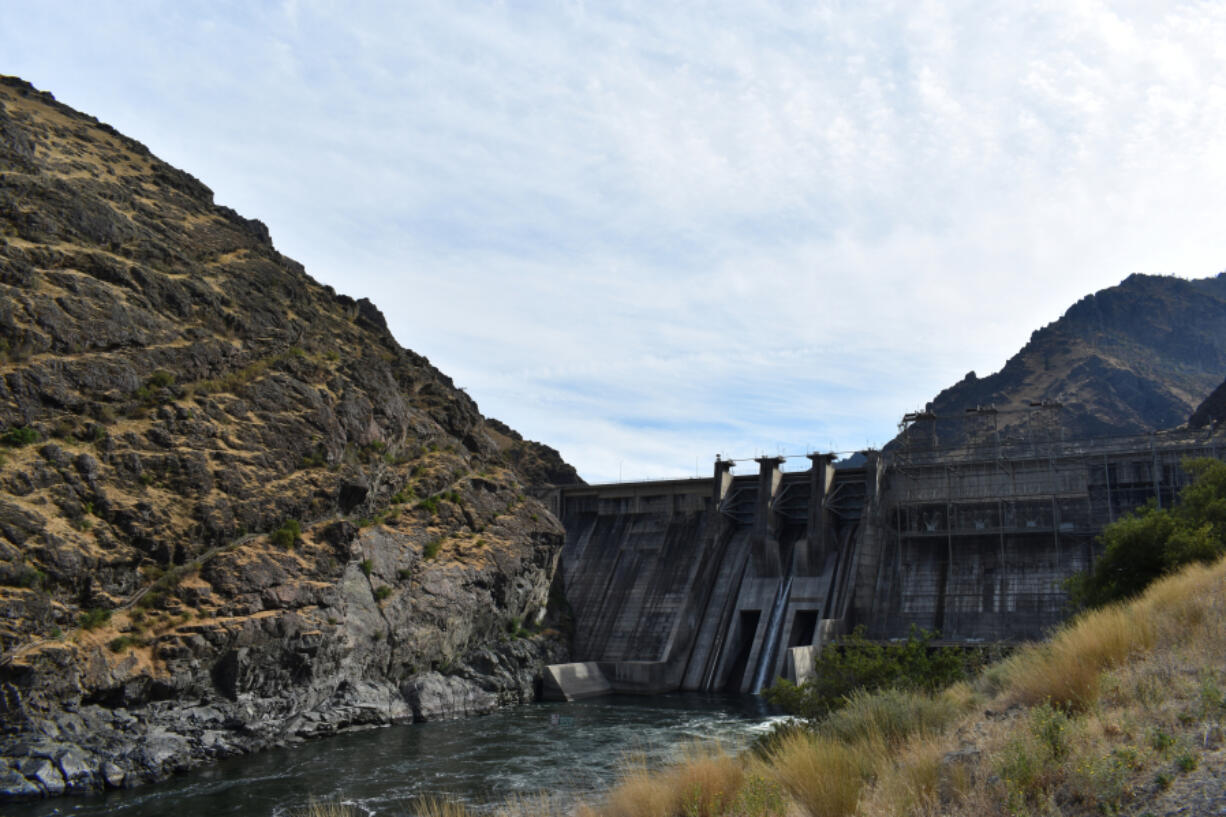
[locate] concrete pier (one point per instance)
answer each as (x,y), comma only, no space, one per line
(573,682)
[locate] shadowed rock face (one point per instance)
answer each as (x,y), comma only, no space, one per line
(1136,357)
(173,391)
(1212,411)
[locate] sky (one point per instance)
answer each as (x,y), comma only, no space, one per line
(647,233)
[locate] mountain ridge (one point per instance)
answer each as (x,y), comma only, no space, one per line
(1136,357)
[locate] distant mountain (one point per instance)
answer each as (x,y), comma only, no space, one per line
(1135,357)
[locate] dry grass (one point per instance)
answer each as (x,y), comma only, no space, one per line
(640,793)
(823,775)
(912,783)
(1066,669)
(889,716)
(704,784)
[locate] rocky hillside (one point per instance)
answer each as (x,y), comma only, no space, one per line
(1212,411)
(1132,358)
(234,512)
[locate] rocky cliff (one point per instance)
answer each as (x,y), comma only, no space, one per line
(1212,411)
(234,512)
(1132,358)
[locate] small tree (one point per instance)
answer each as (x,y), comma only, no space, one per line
(288,534)
(1151,541)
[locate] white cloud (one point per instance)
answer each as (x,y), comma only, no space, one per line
(644,232)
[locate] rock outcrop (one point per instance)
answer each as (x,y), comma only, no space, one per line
(1211,411)
(1136,357)
(234,512)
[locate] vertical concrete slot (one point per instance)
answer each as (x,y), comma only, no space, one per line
(747,627)
(804,627)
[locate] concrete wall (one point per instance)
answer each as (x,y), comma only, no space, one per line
(712,584)
(977,544)
(699,584)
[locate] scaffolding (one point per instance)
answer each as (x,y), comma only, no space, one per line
(978,540)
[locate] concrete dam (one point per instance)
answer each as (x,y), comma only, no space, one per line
(728,582)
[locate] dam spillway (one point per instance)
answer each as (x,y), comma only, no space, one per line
(728,582)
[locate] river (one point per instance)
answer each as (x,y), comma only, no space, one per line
(567,749)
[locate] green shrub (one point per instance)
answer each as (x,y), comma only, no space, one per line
(404,573)
(432,548)
(382,592)
(1151,542)
(1051,726)
(429,504)
(1161,741)
(123,642)
(366,566)
(288,535)
(30,577)
(892,715)
(855,663)
(760,797)
(161,379)
(516,629)
(17,437)
(93,619)
(151,599)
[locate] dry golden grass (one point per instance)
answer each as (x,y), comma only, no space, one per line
(704,784)
(889,716)
(823,775)
(708,781)
(640,793)
(1066,669)
(911,784)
